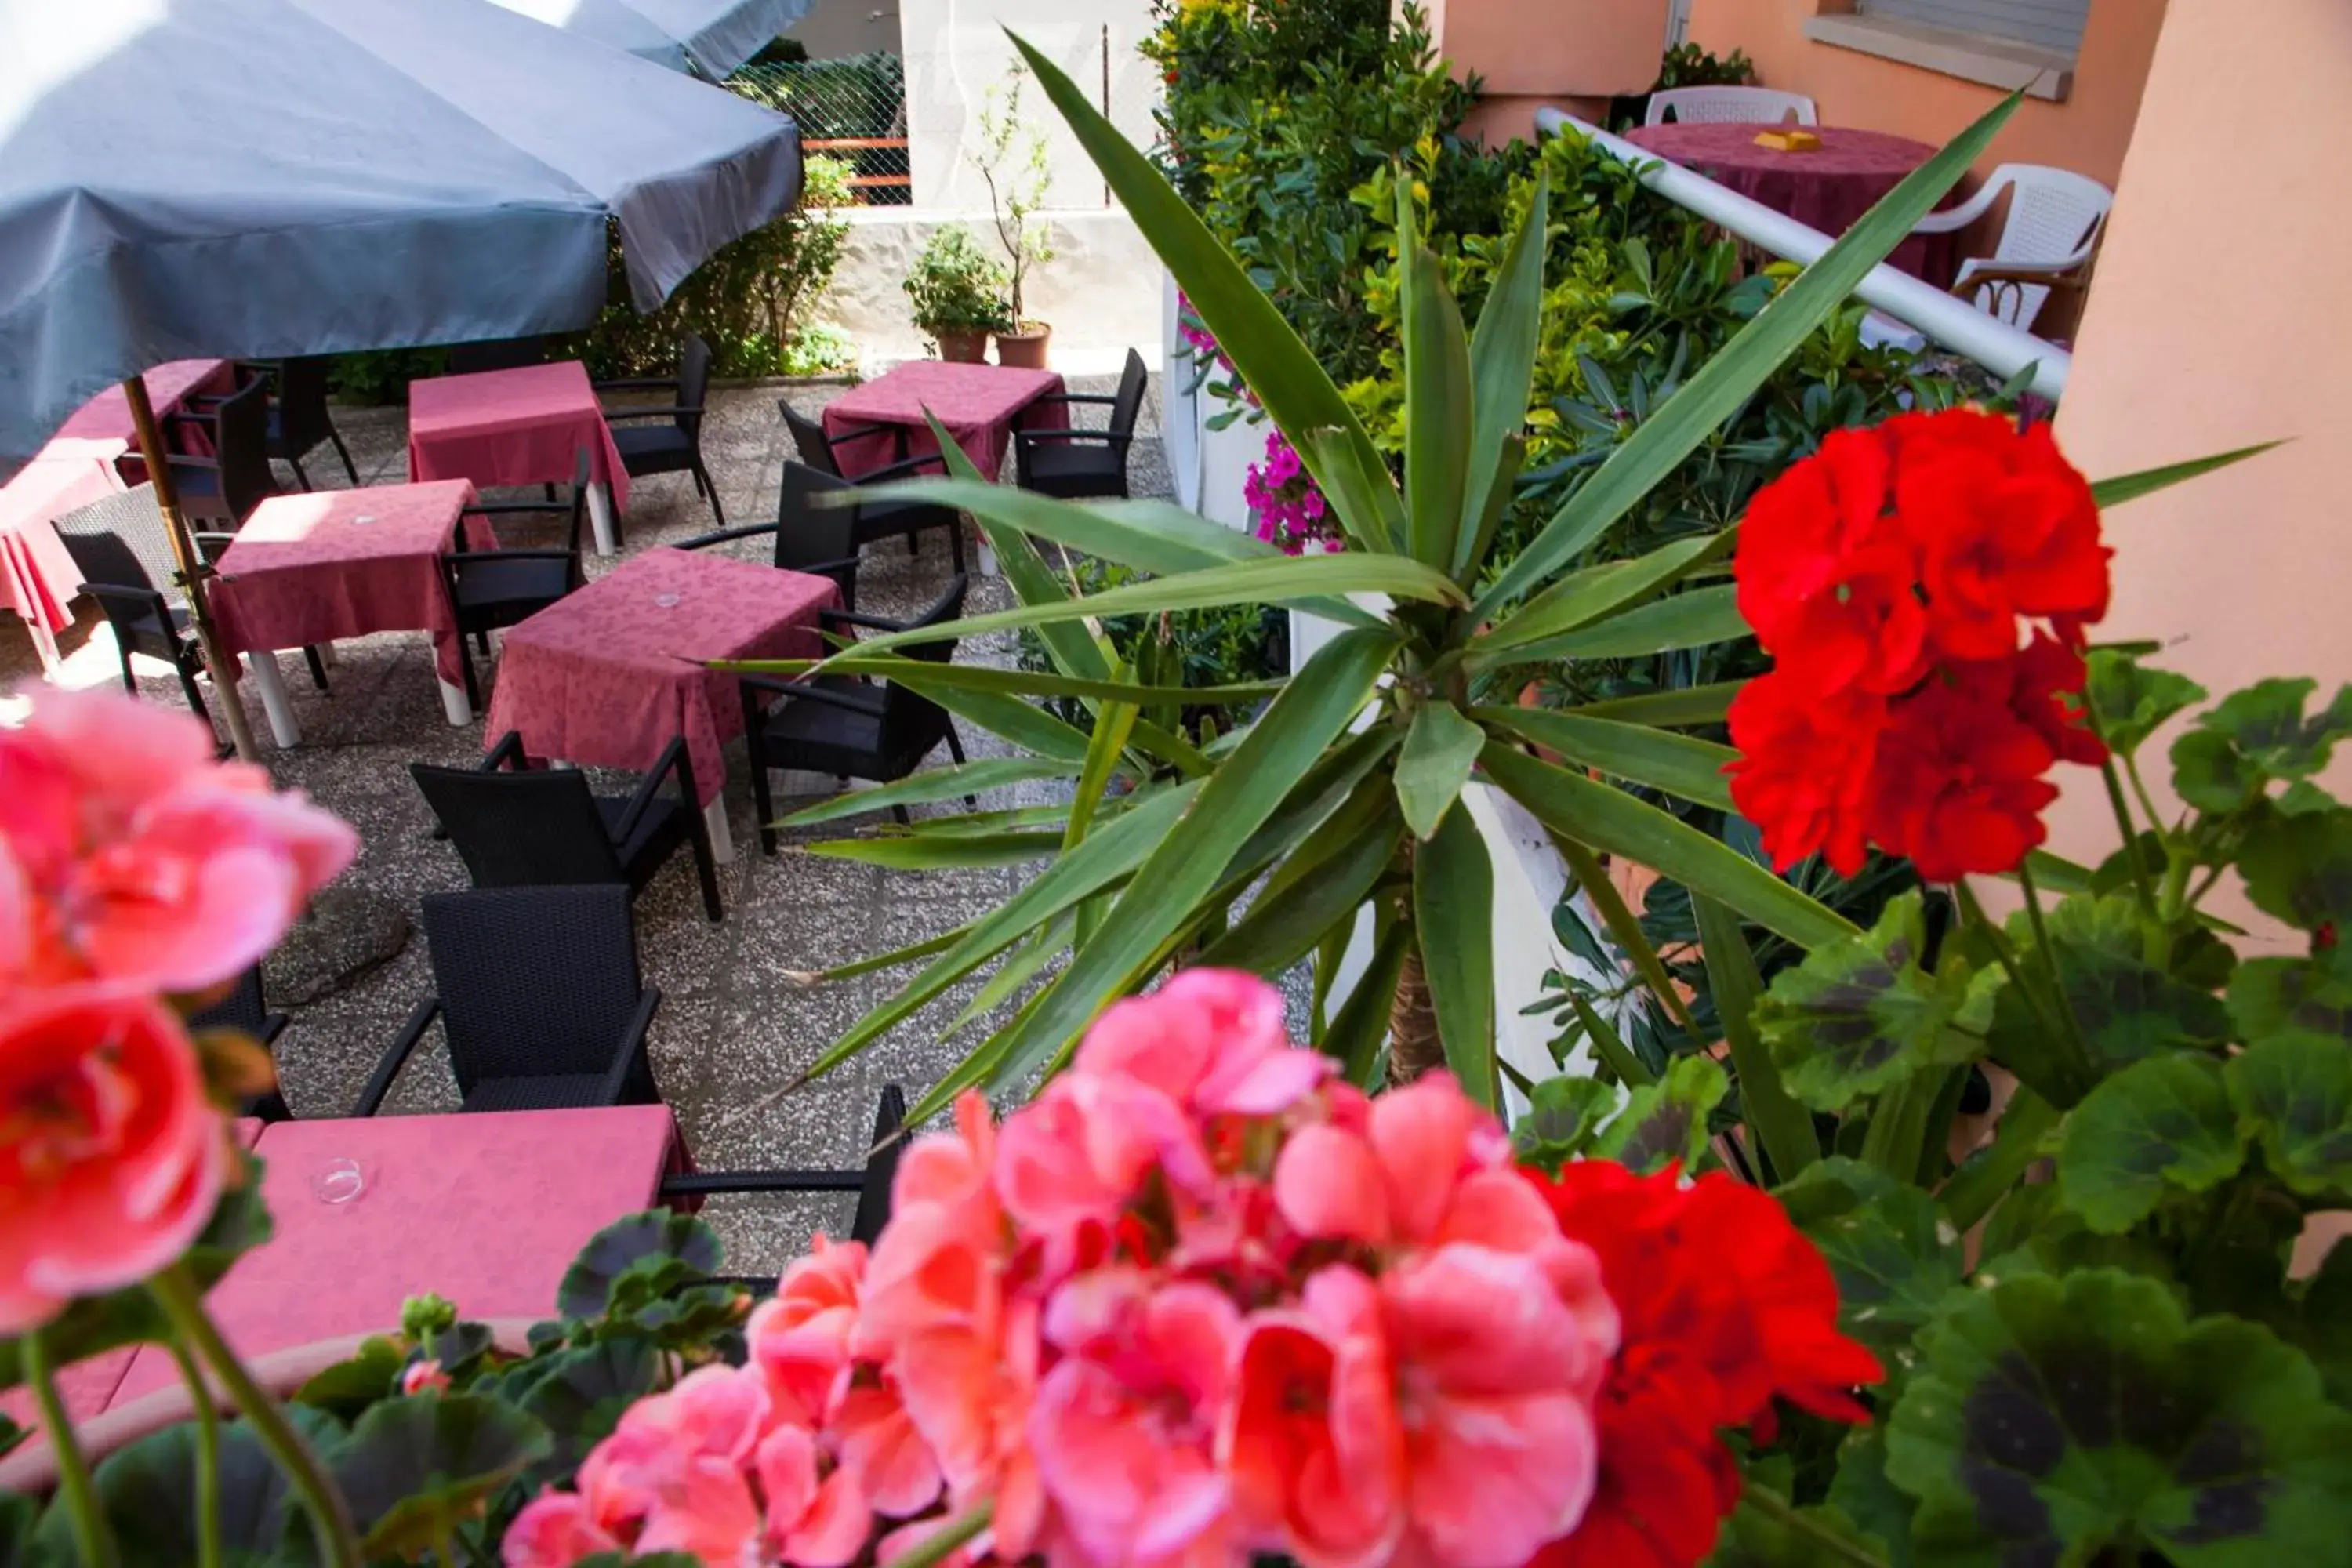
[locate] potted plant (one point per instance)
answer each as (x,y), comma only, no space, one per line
(1017,180)
(958,293)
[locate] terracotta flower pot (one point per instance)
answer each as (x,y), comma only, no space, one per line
(1025,349)
(963,347)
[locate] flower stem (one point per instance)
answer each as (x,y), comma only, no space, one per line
(2073,1027)
(175,1291)
(2140,883)
(208,1458)
(92,1536)
(1831,1546)
(936,1547)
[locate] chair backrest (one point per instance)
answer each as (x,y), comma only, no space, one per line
(693,383)
(808,435)
(882,1169)
(534,982)
(495,353)
(2053,213)
(912,722)
(539,829)
(1729,105)
(241,426)
(1128,402)
(808,529)
(301,386)
(245,1007)
(119,541)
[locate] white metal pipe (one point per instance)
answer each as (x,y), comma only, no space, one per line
(1955,324)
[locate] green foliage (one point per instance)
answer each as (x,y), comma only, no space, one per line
(1225,644)
(1652,1126)
(1011,162)
(956,287)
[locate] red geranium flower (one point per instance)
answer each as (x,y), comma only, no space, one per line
(1803,775)
(1958,787)
(2043,687)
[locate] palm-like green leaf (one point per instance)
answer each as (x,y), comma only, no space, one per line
(2131,487)
(1454,917)
(1502,366)
(1440,748)
(931,784)
(1681,765)
(1437,392)
(1677,707)
(1581,598)
(1694,619)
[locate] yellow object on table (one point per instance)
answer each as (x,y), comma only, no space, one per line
(1789,140)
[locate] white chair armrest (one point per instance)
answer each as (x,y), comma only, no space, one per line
(2053,270)
(1960,216)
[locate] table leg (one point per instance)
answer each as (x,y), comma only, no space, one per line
(600,517)
(454,705)
(263,662)
(722,843)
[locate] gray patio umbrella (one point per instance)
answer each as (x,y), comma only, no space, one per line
(716,36)
(268,178)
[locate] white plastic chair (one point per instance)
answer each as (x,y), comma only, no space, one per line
(1729,105)
(2055,218)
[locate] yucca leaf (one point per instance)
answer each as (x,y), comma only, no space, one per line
(1693,619)
(932,783)
(1021,965)
(1681,765)
(1784,1127)
(1502,369)
(1362,1022)
(1367,504)
(1440,748)
(2147,481)
(909,670)
(1581,598)
(1317,886)
(939,851)
(1113,722)
(1682,705)
(1437,393)
(1025,724)
(1454,920)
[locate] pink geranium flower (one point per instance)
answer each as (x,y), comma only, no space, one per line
(110,1155)
(799,1338)
(554,1530)
(1212,1040)
(672,1477)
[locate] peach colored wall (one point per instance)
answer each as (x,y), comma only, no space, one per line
(2087,133)
(1572,54)
(2220,319)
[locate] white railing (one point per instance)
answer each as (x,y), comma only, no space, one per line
(1955,324)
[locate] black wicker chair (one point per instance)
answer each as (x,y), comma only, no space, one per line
(298,418)
(495,353)
(880,519)
(246,1009)
(543,827)
(1078,464)
(675,446)
(118,546)
(539,997)
(221,489)
(846,725)
(809,535)
(493,588)
(871,1183)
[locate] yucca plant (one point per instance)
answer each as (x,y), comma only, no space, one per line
(1345,792)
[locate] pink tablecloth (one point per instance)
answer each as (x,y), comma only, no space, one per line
(488,1209)
(324,564)
(978,403)
(612,674)
(1827,189)
(519,427)
(107,417)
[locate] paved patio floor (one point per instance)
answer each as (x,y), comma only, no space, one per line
(733,1028)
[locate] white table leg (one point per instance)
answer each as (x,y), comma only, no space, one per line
(263,662)
(459,711)
(600,517)
(722,843)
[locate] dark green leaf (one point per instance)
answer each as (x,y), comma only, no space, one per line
(370,1373)
(2266,722)
(1437,397)
(578,1396)
(1780,1126)
(1695,619)
(656,1236)
(1665,1122)
(1502,367)
(2290,997)
(2299,868)
(933,783)
(2132,700)
(2160,1124)
(1564,1118)
(2211,774)
(2126,1007)
(1861,1491)
(1894,1256)
(1440,748)
(2326,1327)
(1862,1015)
(2294,1093)
(1583,597)
(2147,481)
(1454,920)
(415,1468)
(1683,705)
(147,1490)
(2069,1420)
(1681,765)
(1318,889)
(1818,1537)
(1362,1024)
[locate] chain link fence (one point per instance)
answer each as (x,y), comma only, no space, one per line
(853,108)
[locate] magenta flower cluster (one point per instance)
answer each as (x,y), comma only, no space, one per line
(1283,497)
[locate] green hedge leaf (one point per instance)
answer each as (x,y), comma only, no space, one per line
(2159,1125)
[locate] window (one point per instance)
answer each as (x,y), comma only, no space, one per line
(2055,25)
(2005,44)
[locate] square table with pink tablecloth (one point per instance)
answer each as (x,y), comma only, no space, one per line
(313,567)
(526,425)
(978,403)
(613,673)
(488,1209)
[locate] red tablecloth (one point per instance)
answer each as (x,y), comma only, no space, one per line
(519,427)
(1826,189)
(85,461)
(612,674)
(305,568)
(978,403)
(486,1209)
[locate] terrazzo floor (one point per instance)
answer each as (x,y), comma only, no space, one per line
(733,1027)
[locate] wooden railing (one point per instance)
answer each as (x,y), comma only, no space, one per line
(853,144)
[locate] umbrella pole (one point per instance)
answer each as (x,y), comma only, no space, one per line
(193,572)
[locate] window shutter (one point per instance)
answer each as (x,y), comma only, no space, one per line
(2052,24)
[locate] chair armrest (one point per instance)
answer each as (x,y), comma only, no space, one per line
(903,466)
(809,691)
(146,600)
(380,1081)
(1958,218)
(633,1048)
(673,761)
(852,618)
(633,383)
(507,753)
(190,461)
(503,507)
(1975,271)
(702,541)
(702,1183)
(667,411)
(1104,398)
(853,432)
(1039,437)
(206,544)
(823,568)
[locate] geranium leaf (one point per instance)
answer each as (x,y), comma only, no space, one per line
(2132,699)
(1895,1256)
(2294,1093)
(2290,997)
(2210,774)
(351,1386)
(2299,868)
(1862,1015)
(579,1395)
(2068,1420)
(2126,1007)
(1666,1121)
(659,1236)
(1863,1494)
(2328,1321)
(1564,1116)
(415,1468)
(2266,722)
(2159,1124)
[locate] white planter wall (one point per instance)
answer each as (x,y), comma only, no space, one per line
(1179,402)
(1225,458)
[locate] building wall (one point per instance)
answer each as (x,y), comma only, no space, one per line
(835,30)
(1534,54)
(2087,132)
(2218,320)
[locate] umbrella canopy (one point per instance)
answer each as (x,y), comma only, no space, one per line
(715,35)
(192,178)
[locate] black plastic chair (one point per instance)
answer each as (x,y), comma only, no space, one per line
(810,535)
(1077,464)
(495,353)
(298,418)
(846,725)
(246,1009)
(224,488)
(543,827)
(539,1000)
(675,446)
(879,520)
(871,1183)
(490,589)
(120,547)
